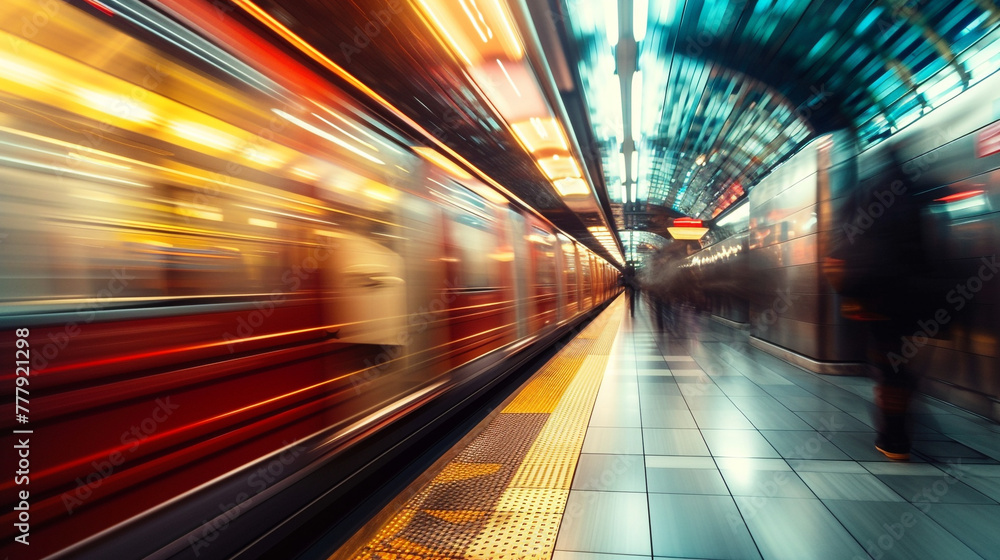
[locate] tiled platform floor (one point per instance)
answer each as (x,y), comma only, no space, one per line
(702,447)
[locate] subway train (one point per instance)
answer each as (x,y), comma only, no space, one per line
(779,236)
(220,275)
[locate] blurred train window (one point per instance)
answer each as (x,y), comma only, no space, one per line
(569,264)
(132,235)
(585,268)
(543,243)
(474,242)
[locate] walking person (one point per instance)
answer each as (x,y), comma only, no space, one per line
(875,261)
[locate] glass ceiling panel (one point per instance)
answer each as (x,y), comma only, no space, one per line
(639,244)
(731,88)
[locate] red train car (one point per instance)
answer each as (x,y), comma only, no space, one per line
(216,283)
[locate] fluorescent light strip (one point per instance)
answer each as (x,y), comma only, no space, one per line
(475,24)
(348,122)
(326,135)
(348,134)
(444,30)
(509,29)
(72,172)
(149,19)
(509,79)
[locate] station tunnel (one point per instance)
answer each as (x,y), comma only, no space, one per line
(500,279)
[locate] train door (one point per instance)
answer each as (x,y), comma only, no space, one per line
(426,288)
(569,274)
(516,234)
(478,310)
(586,301)
(559,259)
(545,286)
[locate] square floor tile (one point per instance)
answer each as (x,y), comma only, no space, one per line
(679,462)
(988,445)
(684,369)
(986,471)
(796,529)
(564,555)
(833,421)
(933,489)
(692,526)
(605,522)
(814,404)
(786,390)
(767,483)
(849,486)
(897,531)
(671,441)
(615,416)
(975,525)
(764,402)
(749,389)
(902,468)
(652,401)
(803,445)
(716,403)
(751,464)
(700,390)
(610,473)
(649,390)
(651,364)
(738,443)
(615,441)
(988,486)
(721,420)
(664,418)
(654,375)
(952,424)
(826,466)
(685,481)
(944,450)
(775,419)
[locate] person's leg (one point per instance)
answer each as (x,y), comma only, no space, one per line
(893,392)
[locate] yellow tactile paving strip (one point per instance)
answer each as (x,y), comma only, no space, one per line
(503,496)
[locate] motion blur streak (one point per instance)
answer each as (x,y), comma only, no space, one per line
(301,44)
(220,257)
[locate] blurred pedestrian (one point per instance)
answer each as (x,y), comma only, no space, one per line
(875,263)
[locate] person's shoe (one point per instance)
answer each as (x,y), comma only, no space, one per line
(895,453)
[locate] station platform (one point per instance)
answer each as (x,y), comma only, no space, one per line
(634,444)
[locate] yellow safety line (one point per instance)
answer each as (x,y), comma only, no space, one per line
(522,521)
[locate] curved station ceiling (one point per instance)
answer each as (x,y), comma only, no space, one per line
(692,102)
